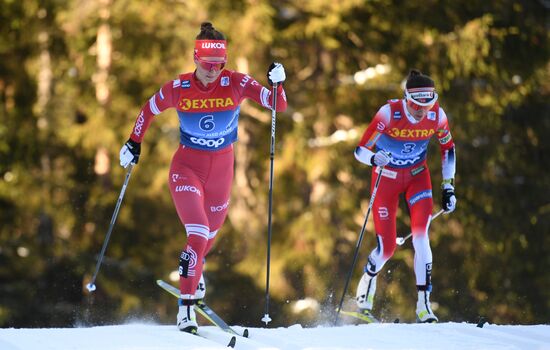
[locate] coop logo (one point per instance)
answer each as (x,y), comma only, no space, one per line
(205,103)
(187,188)
(210,45)
(208,143)
(218,208)
(139,124)
(400,162)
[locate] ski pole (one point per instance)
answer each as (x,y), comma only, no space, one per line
(91,286)
(402,240)
(266,317)
(373,197)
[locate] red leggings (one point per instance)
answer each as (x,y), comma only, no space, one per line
(415,183)
(200,184)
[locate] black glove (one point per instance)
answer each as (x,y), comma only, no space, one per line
(129,153)
(448,199)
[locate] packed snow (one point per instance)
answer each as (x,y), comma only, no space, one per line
(369,336)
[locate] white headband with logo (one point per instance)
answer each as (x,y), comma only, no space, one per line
(422,96)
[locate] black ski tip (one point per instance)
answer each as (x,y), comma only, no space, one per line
(482,320)
(245,333)
(232,342)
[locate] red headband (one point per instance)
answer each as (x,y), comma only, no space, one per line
(211,48)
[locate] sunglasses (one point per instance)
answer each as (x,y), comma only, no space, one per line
(418,107)
(210,65)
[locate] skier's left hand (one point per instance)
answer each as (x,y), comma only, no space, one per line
(448,200)
(276,73)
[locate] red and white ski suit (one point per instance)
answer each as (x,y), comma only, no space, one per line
(201,172)
(395,131)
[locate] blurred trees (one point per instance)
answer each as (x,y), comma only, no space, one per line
(74,74)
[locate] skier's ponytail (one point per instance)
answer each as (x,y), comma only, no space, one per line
(208,32)
(418,80)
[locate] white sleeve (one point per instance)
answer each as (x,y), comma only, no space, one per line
(385,113)
(448,161)
(364,155)
(443,120)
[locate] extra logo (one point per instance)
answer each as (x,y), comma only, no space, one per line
(411,133)
(139,124)
(205,103)
(208,143)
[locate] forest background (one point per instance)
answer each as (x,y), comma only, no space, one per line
(75,73)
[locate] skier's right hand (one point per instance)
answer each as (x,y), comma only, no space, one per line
(276,73)
(129,153)
(381,158)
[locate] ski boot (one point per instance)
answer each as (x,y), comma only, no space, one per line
(424,313)
(201,289)
(186,318)
(365,297)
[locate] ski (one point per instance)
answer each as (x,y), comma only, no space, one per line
(231,344)
(365,316)
(204,310)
